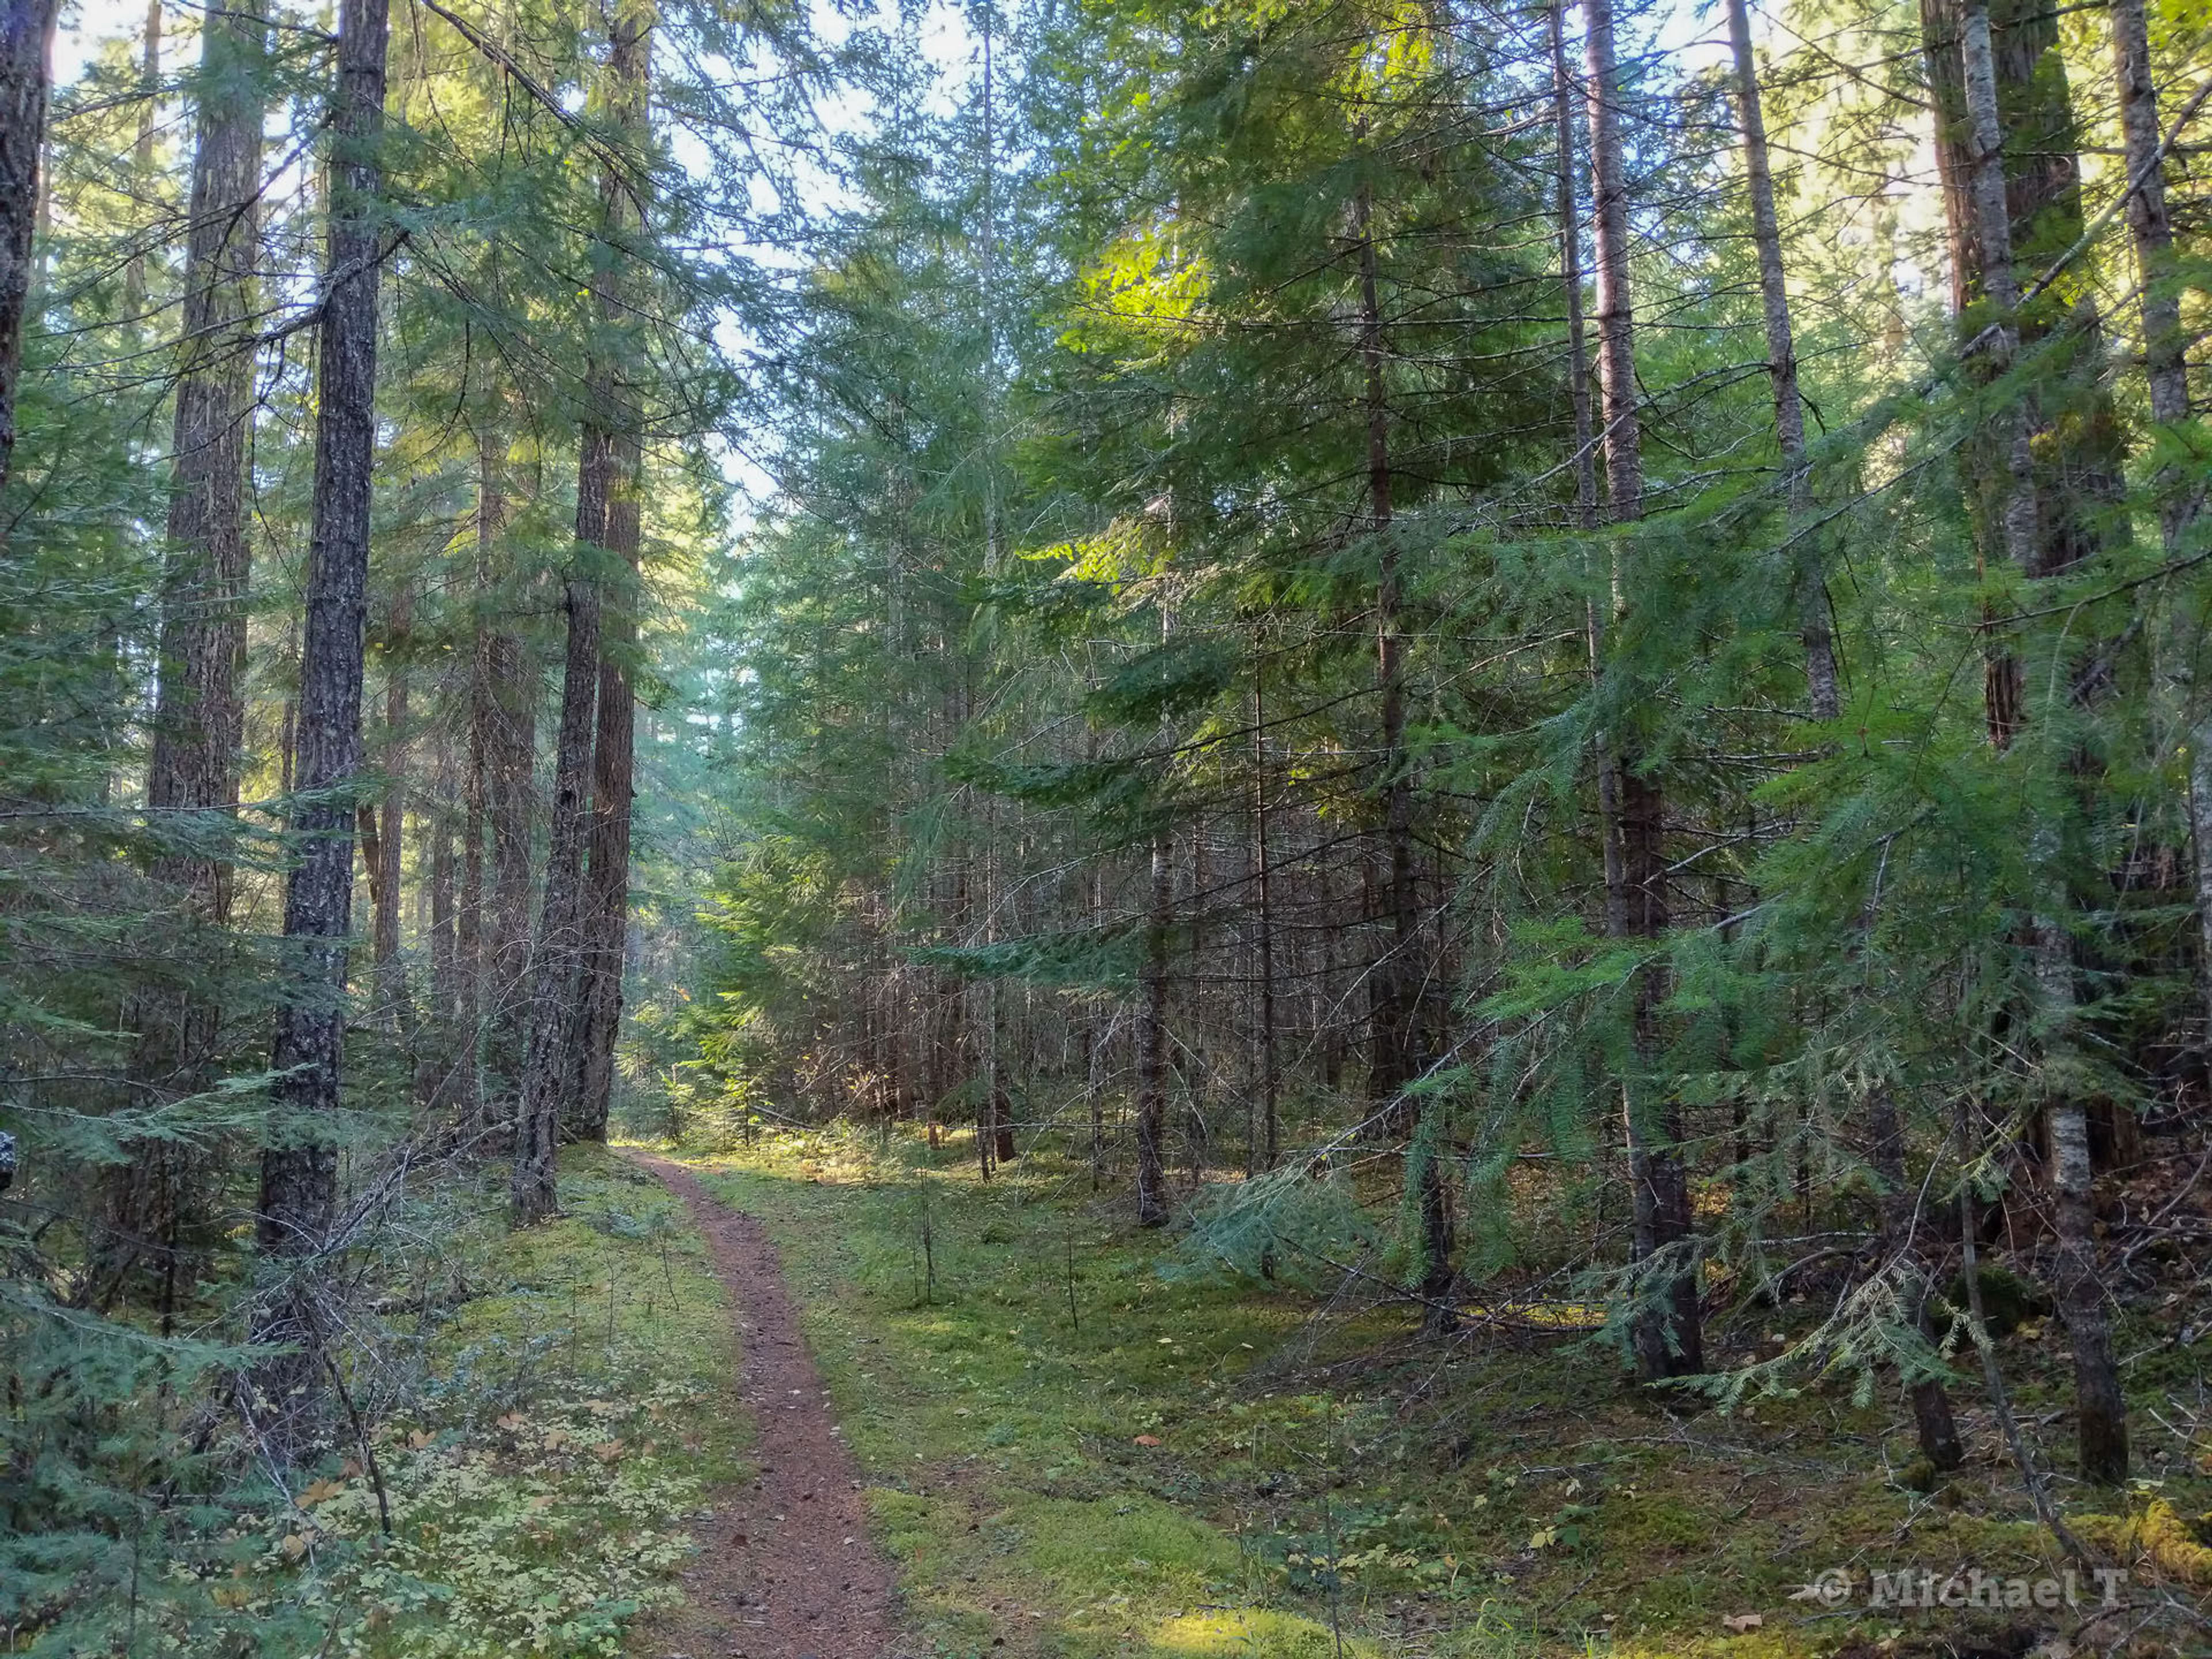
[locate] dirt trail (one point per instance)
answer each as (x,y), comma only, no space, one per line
(786,1569)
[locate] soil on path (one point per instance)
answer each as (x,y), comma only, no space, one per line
(786,1568)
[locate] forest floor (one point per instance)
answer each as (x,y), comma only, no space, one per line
(1073,1441)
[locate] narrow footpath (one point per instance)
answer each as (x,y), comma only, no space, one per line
(787,1568)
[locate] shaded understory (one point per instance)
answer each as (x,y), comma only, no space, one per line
(1079,1444)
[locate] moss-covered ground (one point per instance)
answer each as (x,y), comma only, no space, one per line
(1079,1447)
(571,1406)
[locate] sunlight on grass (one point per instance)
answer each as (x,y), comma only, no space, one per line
(1249,1634)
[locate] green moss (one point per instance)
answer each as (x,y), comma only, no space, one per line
(1095,1548)
(570,1415)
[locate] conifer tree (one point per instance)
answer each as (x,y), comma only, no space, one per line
(299,1170)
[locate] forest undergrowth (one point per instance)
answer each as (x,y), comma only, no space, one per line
(548,1410)
(1083,1438)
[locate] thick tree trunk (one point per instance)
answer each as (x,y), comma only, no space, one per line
(568,918)
(1782,370)
(555,966)
(299,1169)
(1667,1330)
(193,773)
(607,899)
(503,733)
(613,760)
(26,33)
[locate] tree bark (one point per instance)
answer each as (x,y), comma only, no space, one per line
(27,33)
(503,732)
(2151,228)
(607,898)
(555,965)
(192,771)
(445,918)
(2075,462)
(613,753)
(299,1169)
(1622,442)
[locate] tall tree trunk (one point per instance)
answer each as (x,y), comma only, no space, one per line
(1667,1330)
(26,33)
(607,900)
(192,772)
(555,965)
(142,155)
(2151,229)
(469,917)
(503,727)
(1995,200)
(613,757)
(1782,370)
(1571,287)
(559,978)
(2075,449)
(299,1169)
(2166,367)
